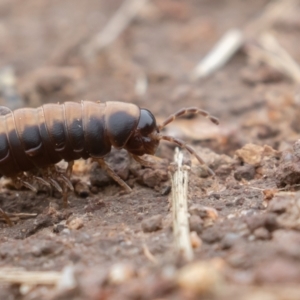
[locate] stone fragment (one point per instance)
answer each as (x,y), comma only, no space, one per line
(153,223)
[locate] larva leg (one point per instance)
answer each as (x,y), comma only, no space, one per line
(22,180)
(59,176)
(54,177)
(65,179)
(65,196)
(112,174)
(69,168)
(55,184)
(42,181)
(62,177)
(185,111)
(66,184)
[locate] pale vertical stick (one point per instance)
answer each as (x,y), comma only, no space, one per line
(181,229)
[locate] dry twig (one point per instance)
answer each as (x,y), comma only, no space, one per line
(181,227)
(234,39)
(229,44)
(14,217)
(19,276)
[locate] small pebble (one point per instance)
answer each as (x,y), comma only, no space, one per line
(287,242)
(140,216)
(152,178)
(93,205)
(281,202)
(199,278)
(216,195)
(120,273)
(229,240)
(250,154)
(239,201)
(211,235)
(203,211)
(42,249)
(67,280)
(25,289)
(82,189)
(196,242)
(165,190)
(262,233)
(268,220)
(75,224)
(57,228)
(223,171)
(53,207)
(244,172)
(94,190)
(151,224)
(238,258)
(66,231)
(196,223)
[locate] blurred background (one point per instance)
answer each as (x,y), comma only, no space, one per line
(160,54)
(152,53)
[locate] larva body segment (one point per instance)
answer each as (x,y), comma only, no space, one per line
(33,140)
(36,138)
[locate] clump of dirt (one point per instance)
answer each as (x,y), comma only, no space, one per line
(288,172)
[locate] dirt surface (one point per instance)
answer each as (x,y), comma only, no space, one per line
(107,244)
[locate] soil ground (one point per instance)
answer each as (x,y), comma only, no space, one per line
(112,245)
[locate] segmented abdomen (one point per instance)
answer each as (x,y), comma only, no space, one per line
(35,138)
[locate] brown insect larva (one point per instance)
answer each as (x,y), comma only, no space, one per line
(33,140)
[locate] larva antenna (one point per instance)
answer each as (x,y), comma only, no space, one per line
(183,145)
(185,111)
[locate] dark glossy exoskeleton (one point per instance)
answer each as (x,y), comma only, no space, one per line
(33,140)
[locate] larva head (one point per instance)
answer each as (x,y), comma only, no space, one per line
(145,138)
